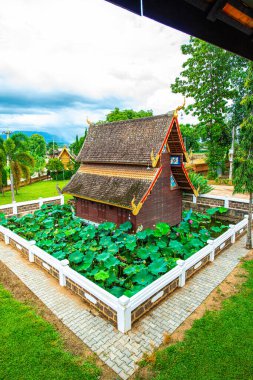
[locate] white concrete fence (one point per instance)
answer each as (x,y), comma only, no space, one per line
(124,311)
(16,208)
(215,200)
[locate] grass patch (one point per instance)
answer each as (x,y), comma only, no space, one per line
(34,191)
(31,349)
(219,346)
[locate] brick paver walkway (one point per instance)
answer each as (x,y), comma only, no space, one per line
(119,351)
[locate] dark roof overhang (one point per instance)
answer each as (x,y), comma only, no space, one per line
(225,23)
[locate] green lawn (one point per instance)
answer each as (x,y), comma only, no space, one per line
(219,346)
(36,190)
(31,349)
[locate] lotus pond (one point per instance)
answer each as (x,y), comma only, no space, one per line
(113,258)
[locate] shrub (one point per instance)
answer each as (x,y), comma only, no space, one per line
(200,183)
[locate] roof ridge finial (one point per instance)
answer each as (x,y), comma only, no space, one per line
(179,108)
(88,121)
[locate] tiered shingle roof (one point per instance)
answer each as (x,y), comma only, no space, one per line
(120,160)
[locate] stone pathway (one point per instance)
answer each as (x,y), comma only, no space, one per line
(227,191)
(122,351)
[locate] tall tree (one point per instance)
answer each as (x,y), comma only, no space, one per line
(117,115)
(191,137)
(55,165)
(13,152)
(208,77)
(37,145)
(52,147)
(76,146)
(243,164)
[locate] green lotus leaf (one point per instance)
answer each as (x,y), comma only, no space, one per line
(60,255)
(143,277)
(69,232)
(161,244)
(107,226)
(76,257)
(111,262)
(101,275)
(158,266)
(197,243)
(127,226)
(143,253)
(135,289)
(176,245)
(130,242)
(162,228)
(215,229)
(141,235)
(222,210)
(133,269)
(117,291)
(103,256)
(212,211)
(94,271)
(105,241)
(113,248)
(84,266)
(87,261)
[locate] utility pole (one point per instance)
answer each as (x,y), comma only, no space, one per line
(8,133)
(231,155)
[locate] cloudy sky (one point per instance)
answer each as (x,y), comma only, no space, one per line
(65,60)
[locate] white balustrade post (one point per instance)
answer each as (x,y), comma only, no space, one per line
(30,252)
(211,243)
(40,202)
(6,239)
(226,202)
(181,263)
(232,227)
(124,314)
(194,199)
(14,208)
(62,199)
(62,277)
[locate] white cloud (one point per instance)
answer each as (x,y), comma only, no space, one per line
(90,48)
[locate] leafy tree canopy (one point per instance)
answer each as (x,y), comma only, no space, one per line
(243,164)
(54,164)
(191,136)
(13,152)
(52,147)
(212,77)
(76,146)
(37,145)
(117,115)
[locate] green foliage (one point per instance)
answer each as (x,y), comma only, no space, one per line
(117,115)
(32,349)
(55,165)
(110,256)
(191,136)
(200,183)
(62,175)
(14,151)
(76,146)
(37,145)
(212,77)
(243,164)
(52,147)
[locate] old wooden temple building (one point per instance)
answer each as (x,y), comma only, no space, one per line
(132,170)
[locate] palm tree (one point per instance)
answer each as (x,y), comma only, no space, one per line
(13,152)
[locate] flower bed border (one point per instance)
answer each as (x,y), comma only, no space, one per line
(123,312)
